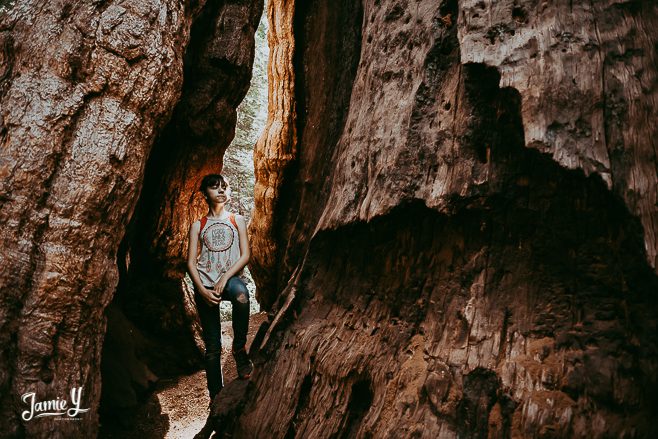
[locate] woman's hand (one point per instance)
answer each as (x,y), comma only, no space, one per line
(210,296)
(220,285)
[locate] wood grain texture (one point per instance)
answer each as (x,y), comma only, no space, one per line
(275,151)
(469,259)
(86,86)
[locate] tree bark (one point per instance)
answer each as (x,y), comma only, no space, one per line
(465,193)
(86,86)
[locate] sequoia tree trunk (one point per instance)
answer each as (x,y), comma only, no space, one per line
(456,221)
(85,89)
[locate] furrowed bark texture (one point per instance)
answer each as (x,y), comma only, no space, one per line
(85,89)
(456,221)
(276,149)
(86,86)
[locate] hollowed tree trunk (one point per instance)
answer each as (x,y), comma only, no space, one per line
(86,87)
(456,221)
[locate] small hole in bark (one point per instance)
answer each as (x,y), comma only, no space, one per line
(360,402)
(518,14)
(46,375)
(302,402)
(449,8)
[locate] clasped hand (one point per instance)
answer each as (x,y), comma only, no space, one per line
(213,295)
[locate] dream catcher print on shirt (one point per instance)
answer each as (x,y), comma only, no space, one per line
(218,238)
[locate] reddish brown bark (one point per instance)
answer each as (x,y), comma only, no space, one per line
(85,89)
(463,240)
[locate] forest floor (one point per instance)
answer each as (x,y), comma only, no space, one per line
(178,407)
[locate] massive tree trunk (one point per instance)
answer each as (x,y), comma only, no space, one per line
(456,207)
(456,221)
(85,89)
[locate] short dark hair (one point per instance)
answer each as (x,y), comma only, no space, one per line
(212,180)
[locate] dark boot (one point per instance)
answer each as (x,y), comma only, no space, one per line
(243,363)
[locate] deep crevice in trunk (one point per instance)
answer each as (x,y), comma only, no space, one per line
(533,278)
(152,258)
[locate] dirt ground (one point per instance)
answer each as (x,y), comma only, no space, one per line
(178,408)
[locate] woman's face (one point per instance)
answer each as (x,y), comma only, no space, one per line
(220,193)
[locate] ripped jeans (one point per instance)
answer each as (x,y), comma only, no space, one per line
(235,291)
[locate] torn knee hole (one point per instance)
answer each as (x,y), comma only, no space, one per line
(242,298)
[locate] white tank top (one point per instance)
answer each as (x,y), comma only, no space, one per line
(220,249)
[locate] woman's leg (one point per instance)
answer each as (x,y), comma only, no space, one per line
(212,337)
(236,291)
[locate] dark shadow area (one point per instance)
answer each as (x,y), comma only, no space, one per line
(302,404)
(359,404)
